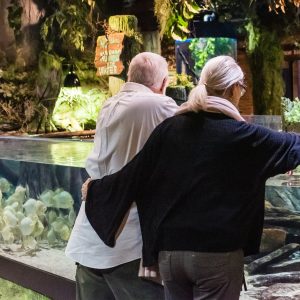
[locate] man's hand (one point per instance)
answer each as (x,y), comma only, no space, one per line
(84,189)
(150,273)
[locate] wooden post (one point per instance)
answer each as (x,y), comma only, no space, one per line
(132,46)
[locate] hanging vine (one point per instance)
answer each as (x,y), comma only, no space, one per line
(67,25)
(174,16)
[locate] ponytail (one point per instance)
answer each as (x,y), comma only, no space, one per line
(197,97)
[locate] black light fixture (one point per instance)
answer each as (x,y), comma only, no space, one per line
(207,24)
(71,79)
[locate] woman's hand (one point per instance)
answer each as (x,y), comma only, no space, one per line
(84,189)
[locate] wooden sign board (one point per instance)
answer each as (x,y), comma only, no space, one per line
(108,52)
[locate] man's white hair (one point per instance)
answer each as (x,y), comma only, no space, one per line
(149,69)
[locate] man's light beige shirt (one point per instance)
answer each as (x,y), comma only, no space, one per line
(124,125)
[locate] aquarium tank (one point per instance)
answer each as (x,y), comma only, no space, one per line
(193,53)
(40,194)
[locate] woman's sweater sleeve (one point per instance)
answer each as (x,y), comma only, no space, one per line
(108,199)
(277,152)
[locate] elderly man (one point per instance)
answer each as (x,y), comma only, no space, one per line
(124,125)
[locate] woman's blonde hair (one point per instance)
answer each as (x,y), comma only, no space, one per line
(218,74)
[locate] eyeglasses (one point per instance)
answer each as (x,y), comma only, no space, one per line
(243,88)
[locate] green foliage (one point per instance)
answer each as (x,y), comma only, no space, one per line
(69,34)
(174,16)
(87,76)
(291,110)
(68,28)
(78,108)
(68,24)
(253,37)
(123,23)
(14,17)
(206,48)
(291,114)
(182,80)
(49,61)
(265,31)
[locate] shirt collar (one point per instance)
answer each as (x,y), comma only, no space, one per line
(135,87)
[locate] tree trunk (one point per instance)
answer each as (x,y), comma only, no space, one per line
(266,60)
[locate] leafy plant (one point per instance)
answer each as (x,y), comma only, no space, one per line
(78,108)
(291,110)
(205,48)
(69,23)
(174,16)
(182,80)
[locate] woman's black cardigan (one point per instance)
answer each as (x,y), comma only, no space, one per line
(198,183)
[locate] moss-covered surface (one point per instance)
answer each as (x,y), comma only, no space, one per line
(12,291)
(123,23)
(266,59)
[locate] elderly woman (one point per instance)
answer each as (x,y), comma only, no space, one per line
(199,185)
